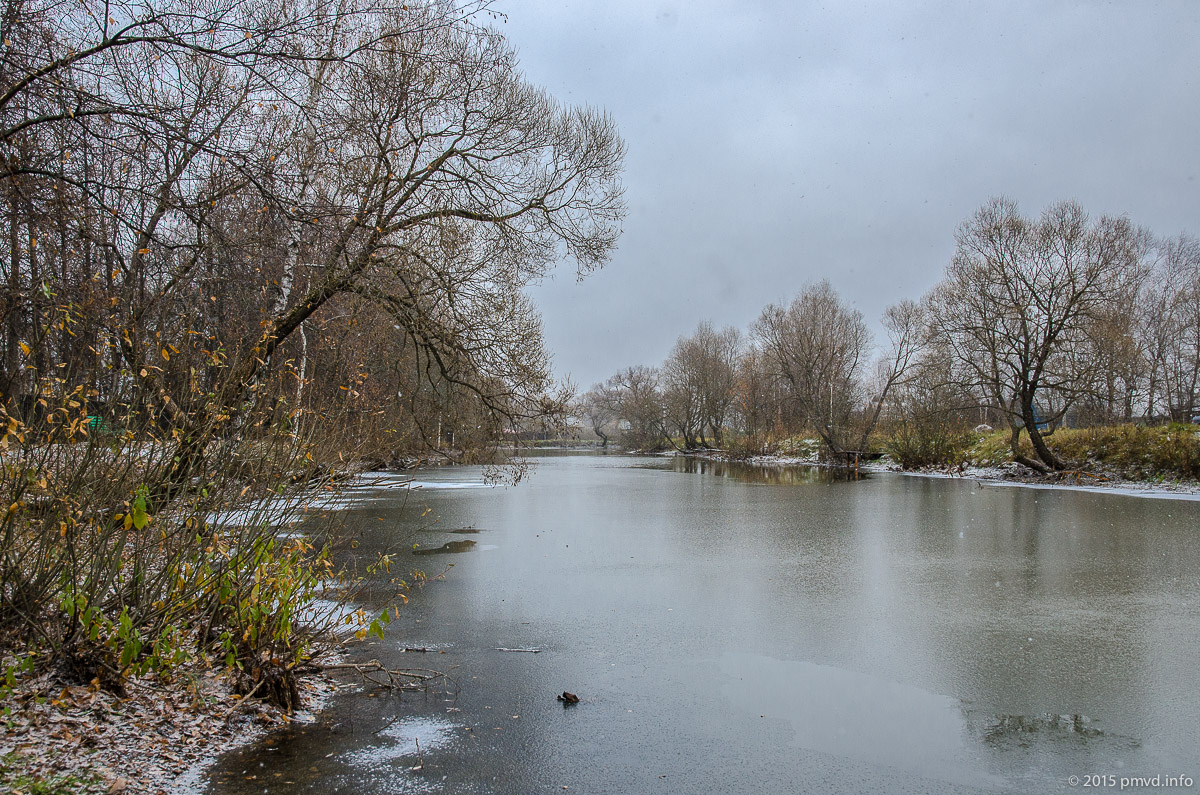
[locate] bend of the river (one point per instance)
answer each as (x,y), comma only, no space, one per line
(738,630)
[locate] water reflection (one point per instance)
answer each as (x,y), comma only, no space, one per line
(450,547)
(769,474)
(900,635)
(1024,729)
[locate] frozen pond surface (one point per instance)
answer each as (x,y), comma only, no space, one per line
(741,630)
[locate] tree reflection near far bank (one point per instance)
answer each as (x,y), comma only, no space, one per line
(768,474)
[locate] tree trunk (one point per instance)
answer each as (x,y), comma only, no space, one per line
(1044,453)
(1014,444)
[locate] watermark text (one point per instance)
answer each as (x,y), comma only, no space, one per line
(1122,783)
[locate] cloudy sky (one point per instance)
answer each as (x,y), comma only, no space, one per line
(773,144)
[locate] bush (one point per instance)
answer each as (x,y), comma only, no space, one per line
(118,560)
(927,443)
(800,447)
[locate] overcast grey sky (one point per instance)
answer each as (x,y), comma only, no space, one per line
(772,144)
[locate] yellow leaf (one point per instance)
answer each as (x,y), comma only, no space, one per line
(24,348)
(166,356)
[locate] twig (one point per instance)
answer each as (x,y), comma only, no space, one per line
(395,676)
(442,574)
(242,700)
(388,726)
(531,651)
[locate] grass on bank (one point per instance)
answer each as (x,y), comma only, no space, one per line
(1133,452)
(17,782)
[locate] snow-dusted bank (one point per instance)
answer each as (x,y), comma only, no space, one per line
(1003,476)
(162,736)
(1011,475)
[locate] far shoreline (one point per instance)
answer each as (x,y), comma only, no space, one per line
(1008,475)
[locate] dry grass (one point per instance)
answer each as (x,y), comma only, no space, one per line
(1134,452)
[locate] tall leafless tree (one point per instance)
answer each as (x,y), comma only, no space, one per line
(1170,330)
(1018,303)
(818,349)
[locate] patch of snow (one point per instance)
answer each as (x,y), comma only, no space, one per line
(433,733)
(435,485)
(995,476)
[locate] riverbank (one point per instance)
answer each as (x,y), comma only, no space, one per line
(167,728)
(1016,475)
(160,737)
(1009,474)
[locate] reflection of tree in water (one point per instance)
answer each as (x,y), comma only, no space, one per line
(1003,732)
(774,475)
(447,548)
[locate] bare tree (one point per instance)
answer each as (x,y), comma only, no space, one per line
(1170,330)
(640,406)
(600,407)
(1018,302)
(698,380)
(907,329)
(242,236)
(720,352)
(756,402)
(235,172)
(817,348)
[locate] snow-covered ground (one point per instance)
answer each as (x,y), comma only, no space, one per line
(997,476)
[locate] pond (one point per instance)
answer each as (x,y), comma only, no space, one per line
(733,629)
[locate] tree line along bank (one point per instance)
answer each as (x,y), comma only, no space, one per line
(1037,324)
(245,243)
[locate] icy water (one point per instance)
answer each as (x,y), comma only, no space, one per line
(738,630)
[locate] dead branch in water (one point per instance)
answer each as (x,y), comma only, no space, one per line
(392,678)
